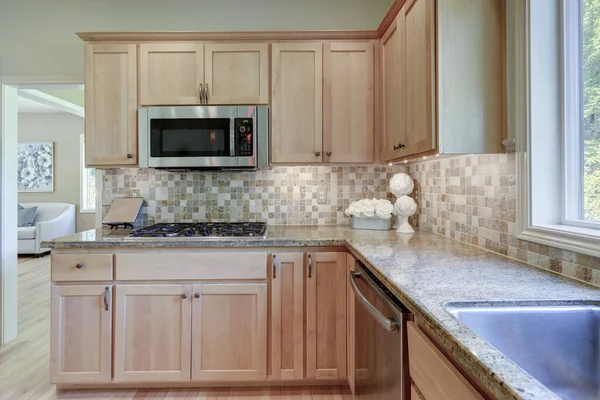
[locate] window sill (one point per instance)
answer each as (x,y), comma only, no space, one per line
(565,237)
(87,211)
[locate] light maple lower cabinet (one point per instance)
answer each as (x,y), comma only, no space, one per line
(287,316)
(229,332)
(81,331)
(152,333)
(433,375)
(326,316)
(110,105)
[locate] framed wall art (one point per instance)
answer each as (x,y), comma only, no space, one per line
(35,167)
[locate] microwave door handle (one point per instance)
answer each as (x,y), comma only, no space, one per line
(232,136)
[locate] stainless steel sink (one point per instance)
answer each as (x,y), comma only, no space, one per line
(556,343)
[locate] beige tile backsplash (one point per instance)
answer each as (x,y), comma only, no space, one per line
(473,199)
(280,196)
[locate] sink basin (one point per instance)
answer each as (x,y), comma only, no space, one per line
(558,344)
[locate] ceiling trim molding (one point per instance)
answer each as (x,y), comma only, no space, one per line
(390,16)
(52,101)
(224,36)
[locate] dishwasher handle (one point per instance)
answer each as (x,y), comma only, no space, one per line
(388,324)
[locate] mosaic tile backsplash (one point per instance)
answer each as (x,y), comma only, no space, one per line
(473,199)
(280,196)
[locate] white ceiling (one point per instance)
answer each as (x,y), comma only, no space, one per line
(30,106)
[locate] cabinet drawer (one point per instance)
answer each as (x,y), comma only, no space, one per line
(81,267)
(433,373)
(190,266)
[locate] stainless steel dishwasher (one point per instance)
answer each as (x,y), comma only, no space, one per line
(381,354)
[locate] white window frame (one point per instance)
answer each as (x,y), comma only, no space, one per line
(544,98)
(84,180)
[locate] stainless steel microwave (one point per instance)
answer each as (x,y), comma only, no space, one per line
(198,137)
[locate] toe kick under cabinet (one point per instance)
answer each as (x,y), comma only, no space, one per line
(148,316)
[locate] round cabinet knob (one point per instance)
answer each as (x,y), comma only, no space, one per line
(197,295)
(79,265)
(318,153)
(328,154)
(184,296)
(130,155)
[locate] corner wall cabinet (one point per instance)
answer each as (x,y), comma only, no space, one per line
(442,78)
(110,105)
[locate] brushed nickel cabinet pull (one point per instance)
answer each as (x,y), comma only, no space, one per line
(201,94)
(206,94)
(309,266)
(184,296)
(79,265)
(274,266)
(107,289)
(197,295)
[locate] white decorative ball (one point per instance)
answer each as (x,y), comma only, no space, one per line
(405,206)
(401,185)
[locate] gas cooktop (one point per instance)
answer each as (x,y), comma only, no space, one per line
(207,230)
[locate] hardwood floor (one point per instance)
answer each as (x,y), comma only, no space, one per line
(25,370)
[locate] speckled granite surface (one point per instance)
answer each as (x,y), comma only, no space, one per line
(425,271)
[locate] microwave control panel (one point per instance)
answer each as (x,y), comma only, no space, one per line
(245,137)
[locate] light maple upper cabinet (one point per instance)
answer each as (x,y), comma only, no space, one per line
(81,332)
(287,316)
(195,73)
(236,73)
(229,332)
(348,117)
(392,49)
(417,22)
(450,76)
(326,316)
(152,333)
(297,103)
(171,73)
(110,105)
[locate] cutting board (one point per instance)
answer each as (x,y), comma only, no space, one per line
(123,210)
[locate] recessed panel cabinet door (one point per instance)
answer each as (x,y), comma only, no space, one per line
(171,73)
(326,316)
(152,333)
(348,105)
(110,105)
(237,73)
(392,60)
(287,316)
(297,103)
(80,345)
(418,23)
(229,331)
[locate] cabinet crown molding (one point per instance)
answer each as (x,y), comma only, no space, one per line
(234,36)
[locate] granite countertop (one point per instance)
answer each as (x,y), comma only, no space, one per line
(424,271)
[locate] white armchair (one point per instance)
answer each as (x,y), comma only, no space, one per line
(51,221)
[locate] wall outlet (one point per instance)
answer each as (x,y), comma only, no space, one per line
(322,196)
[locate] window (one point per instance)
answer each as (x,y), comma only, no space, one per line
(88,183)
(581,77)
(554,109)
